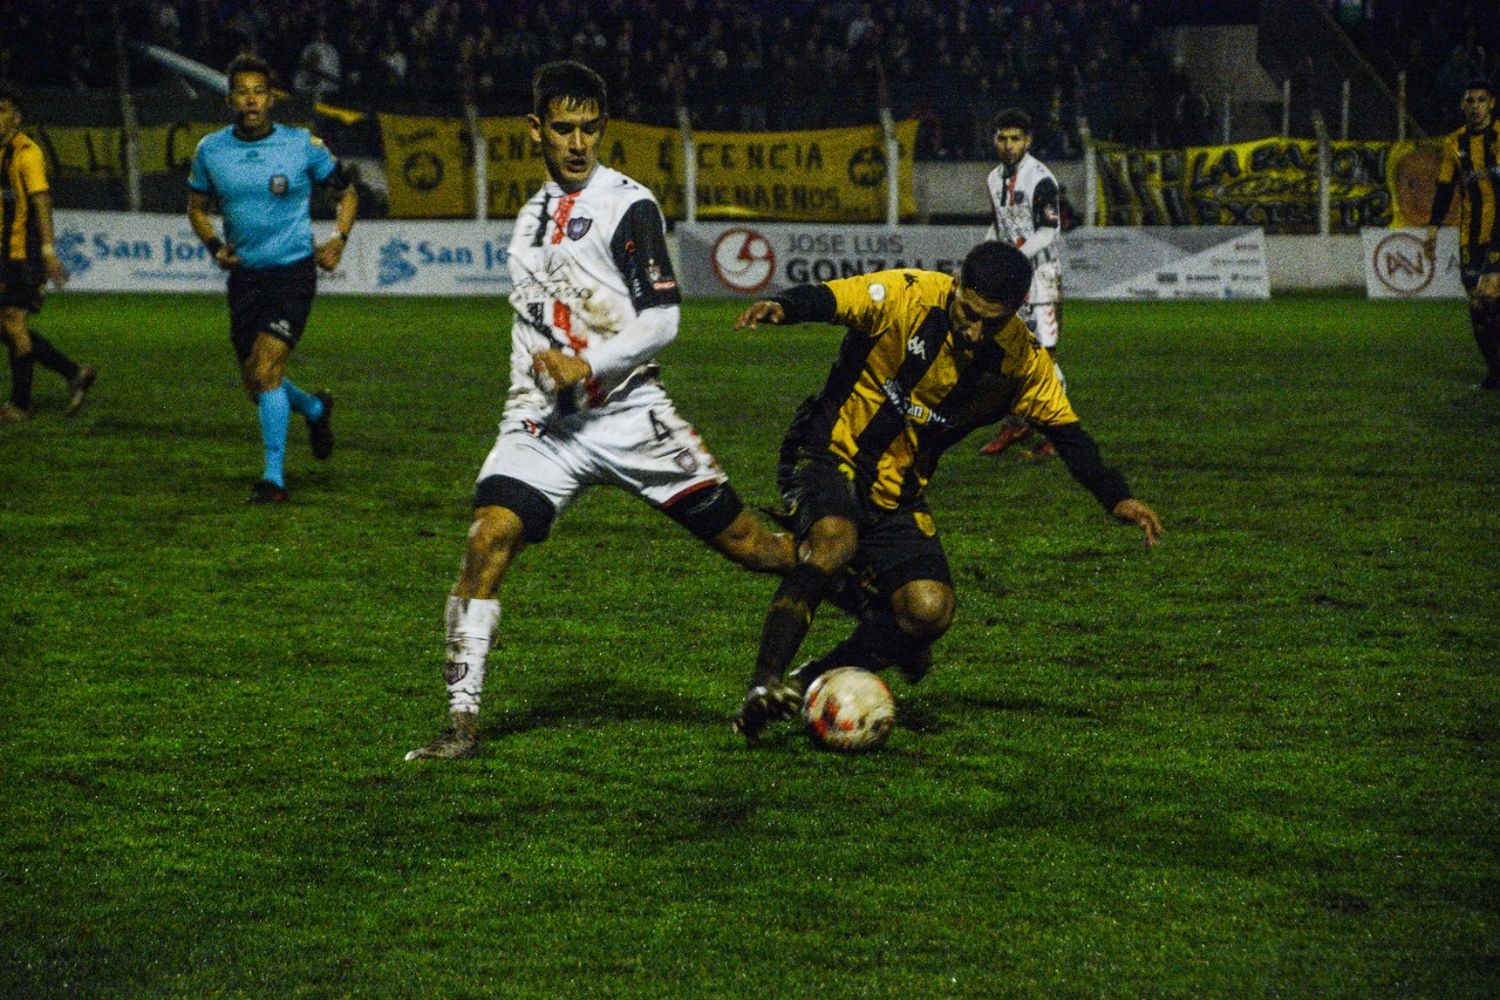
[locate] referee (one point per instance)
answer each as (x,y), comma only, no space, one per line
(263,175)
(1470,166)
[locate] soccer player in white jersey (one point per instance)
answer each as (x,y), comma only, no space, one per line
(595,299)
(1026,206)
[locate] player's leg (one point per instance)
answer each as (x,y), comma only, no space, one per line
(262,374)
(1484,318)
(22,365)
(525,482)
(317,410)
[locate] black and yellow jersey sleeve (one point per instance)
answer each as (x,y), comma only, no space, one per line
(886,301)
(23,173)
(1469,167)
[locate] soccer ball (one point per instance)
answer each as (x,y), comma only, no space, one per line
(849,709)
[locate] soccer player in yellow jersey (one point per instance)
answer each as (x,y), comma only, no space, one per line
(927,358)
(1471,167)
(28,260)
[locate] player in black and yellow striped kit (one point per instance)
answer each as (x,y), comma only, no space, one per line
(926,359)
(1470,167)
(28,260)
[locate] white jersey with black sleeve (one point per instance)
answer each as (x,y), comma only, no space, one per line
(1026,209)
(591,277)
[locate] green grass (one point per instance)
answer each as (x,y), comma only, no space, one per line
(1259,760)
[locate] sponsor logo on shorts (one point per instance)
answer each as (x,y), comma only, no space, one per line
(686,461)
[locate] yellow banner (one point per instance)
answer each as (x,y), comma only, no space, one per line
(1272,183)
(99,150)
(823,175)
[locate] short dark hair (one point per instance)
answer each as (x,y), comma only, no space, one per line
(569,80)
(247,63)
(1010,118)
(1481,83)
(999,272)
(11,94)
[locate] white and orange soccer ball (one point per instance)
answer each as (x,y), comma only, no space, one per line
(849,709)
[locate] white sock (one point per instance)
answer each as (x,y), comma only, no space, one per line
(470,625)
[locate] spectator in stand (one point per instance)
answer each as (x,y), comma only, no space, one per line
(319,72)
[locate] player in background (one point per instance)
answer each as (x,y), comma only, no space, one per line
(1025,200)
(263,173)
(594,300)
(28,260)
(926,359)
(1470,166)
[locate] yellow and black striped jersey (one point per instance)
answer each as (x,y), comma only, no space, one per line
(903,389)
(23,173)
(1470,165)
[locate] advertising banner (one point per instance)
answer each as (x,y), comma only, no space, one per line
(1198,262)
(124,252)
(753,259)
(826,174)
(1396,267)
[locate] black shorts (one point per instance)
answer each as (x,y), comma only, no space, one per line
(1475,262)
(272,300)
(21,284)
(895,546)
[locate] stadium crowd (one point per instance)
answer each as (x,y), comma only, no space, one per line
(735,64)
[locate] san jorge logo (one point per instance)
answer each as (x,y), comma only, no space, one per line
(743,260)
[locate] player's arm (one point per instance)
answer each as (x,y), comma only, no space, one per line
(1442,196)
(1046,219)
(798,304)
(33,176)
(639,250)
(1080,453)
(329,252)
(857,303)
(199,211)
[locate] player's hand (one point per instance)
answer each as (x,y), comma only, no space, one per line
(57,273)
(1488,288)
(226,258)
(328,254)
(1429,245)
(1132,511)
(558,371)
(764,311)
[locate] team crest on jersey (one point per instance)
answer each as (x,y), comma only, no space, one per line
(279,184)
(577,228)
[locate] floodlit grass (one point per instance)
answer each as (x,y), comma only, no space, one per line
(1259,760)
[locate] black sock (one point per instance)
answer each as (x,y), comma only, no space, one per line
(791,615)
(50,357)
(1486,323)
(876,643)
(21,369)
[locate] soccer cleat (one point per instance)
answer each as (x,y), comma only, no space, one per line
(801,679)
(914,669)
(320,431)
(1047,450)
(78,388)
(265,491)
(1004,438)
(10,413)
(764,704)
(461,739)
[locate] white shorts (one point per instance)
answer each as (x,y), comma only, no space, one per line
(638,443)
(1045,320)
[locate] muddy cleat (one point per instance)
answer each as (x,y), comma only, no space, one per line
(265,491)
(801,679)
(461,739)
(1047,450)
(78,388)
(1004,438)
(763,705)
(320,431)
(10,413)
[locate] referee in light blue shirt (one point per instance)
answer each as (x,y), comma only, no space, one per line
(262,175)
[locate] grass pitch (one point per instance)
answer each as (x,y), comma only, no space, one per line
(1259,760)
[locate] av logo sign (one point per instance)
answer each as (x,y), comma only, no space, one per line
(1401,265)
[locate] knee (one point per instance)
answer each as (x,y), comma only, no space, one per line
(924,609)
(747,542)
(831,544)
(494,529)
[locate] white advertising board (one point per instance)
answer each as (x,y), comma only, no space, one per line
(1396,267)
(1162,262)
(125,252)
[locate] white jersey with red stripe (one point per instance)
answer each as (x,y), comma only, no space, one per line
(583,266)
(1025,200)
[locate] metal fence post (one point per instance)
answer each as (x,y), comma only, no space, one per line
(130,126)
(1324,157)
(1286,108)
(689,167)
(480,153)
(1090,174)
(892,169)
